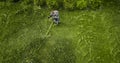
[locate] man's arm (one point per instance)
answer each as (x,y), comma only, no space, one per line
(50,16)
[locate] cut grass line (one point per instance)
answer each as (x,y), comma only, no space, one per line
(48,30)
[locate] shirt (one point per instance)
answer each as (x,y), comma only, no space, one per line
(54,14)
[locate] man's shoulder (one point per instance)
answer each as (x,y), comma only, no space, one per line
(56,11)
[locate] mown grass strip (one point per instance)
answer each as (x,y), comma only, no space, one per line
(48,30)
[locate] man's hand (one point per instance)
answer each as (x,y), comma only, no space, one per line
(48,17)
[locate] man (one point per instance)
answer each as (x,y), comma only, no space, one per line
(55,16)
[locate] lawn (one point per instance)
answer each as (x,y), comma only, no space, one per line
(84,36)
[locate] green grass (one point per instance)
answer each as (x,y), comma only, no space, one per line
(86,36)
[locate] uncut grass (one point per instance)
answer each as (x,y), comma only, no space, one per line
(82,37)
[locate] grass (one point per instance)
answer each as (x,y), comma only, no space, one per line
(88,36)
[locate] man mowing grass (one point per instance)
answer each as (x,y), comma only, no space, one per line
(55,16)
